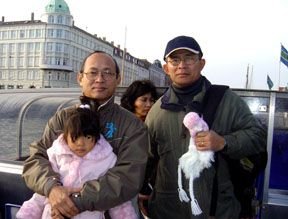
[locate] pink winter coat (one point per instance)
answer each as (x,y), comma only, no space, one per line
(74,172)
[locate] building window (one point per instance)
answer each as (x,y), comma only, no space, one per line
(67,35)
(49,61)
(50,32)
(58,61)
(49,47)
(2,62)
(67,20)
(21,61)
(21,75)
(5,75)
(58,47)
(22,33)
(65,61)
(11,61)
(66,49)
(30,47)
(30,75)
(37,47)
(37,61)
(4,35)
(30,61)
(38,33)
(15,75)
(66,76)
(12,48)
(31,33)
(11,75)
(37,75)
(59,19)
(51,19)
(59,33)
(13,34)
(21,47)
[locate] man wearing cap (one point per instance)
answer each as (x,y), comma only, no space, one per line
(235,132)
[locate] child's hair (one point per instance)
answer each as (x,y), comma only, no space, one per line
(82,122)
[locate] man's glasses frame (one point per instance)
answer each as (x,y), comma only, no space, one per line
(188,60)
(106,74)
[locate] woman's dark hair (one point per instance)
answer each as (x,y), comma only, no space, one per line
(136,89)
(117,69)
(82,122)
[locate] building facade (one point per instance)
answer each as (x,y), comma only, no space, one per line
(49,52)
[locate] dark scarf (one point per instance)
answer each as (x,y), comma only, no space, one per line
(90,101)
(185,97)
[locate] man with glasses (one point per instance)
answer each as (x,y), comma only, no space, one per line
(234,133)
(98,77)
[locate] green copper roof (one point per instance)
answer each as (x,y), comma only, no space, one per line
(57,6)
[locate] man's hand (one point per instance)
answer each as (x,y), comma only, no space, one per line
(59,198)
(209,140)
(55,214)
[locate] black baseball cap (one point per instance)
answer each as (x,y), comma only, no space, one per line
(182,42)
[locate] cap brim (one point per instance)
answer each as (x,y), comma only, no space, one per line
(186,48)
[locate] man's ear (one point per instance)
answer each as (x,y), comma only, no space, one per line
(79,78)
(202,62)
(118,79)
(165,68)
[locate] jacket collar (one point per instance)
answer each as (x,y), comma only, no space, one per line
(170,101)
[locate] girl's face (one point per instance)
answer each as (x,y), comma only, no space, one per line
(143,104)
(82,145)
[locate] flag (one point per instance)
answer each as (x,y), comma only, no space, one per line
(284,56)
(269,82)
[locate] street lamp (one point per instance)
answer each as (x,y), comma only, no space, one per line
(49,79)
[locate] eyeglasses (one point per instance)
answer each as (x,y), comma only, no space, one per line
(188,60)
(106,75)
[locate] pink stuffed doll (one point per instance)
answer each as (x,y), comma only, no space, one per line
(193,161)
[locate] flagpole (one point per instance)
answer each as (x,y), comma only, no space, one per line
(247,77)
(279,67)
(123,59)
(251,77)
(279,75)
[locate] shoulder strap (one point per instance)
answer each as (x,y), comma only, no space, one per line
(211,101)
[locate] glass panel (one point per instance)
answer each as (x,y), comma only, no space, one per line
(279,159)
(259,106)
(34,118)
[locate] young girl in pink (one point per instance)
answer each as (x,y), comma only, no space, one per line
(80,154)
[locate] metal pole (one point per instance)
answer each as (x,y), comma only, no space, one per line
(123,59)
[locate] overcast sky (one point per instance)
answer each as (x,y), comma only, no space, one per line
(232,33)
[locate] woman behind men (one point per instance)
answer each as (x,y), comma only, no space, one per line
(139,98)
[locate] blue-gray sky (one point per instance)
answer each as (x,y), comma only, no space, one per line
(232,33)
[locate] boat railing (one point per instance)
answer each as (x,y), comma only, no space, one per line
(27,112)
